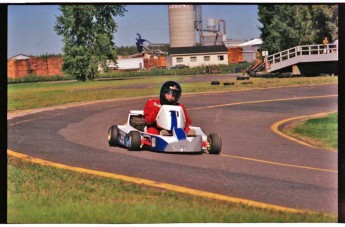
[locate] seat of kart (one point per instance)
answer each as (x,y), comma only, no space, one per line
(137,122)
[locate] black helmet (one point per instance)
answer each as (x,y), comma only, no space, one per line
(172,88)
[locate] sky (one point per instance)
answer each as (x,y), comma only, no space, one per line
(31,27)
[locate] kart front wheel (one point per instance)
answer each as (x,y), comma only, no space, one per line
(112,135)
(214,143)
(134,141)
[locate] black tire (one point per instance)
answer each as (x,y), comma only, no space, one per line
(112,135)
(228,83)
(215,82)
(134,141)
(214,142)
(252,73)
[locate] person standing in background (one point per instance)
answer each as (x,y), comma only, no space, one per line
(325,43)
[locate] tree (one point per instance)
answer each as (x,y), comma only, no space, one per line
(325,21)
(127,50)
(286,26)
(88,32)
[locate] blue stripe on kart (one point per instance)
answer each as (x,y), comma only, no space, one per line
(173,120)
(180,133)
(160,143)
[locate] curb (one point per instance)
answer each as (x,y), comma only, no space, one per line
(278,126)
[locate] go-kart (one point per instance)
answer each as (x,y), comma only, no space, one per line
(134,136)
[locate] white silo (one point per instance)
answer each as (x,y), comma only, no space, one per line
(181,25)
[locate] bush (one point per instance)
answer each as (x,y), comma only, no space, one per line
(224,69)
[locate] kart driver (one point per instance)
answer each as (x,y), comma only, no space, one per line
(170,93)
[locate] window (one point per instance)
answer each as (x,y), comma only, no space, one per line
(207,58)
(179,60)
(193,59)
(220,57)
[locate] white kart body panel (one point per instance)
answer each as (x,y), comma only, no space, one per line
(166,113)
(127,128)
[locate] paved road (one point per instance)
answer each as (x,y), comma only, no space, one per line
(255,163)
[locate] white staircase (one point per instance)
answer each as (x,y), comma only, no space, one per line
(301,54)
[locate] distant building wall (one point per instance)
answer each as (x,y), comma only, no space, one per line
(38,66)
(249,53)
(135,62)
(130,63)
(235,55)
(11,68)
(194,60)
(198,56)
(155,62)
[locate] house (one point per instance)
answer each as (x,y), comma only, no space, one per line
(197,56)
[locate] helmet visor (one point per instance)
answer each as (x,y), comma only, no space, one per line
(172,94)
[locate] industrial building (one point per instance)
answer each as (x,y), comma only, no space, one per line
(185,23)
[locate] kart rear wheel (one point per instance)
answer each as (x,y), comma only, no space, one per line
(214,143)
(134,141)
(112,135)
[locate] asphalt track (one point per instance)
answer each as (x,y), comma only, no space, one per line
(256,163)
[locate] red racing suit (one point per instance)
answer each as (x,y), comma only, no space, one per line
(150,112)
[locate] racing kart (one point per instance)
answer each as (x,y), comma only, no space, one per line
(134,136)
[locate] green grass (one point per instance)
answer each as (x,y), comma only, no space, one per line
(42,194)
(36,95)
(36,78)
(320,132)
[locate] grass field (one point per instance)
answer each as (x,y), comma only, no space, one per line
(41,194)
(36,95)
(320,132)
